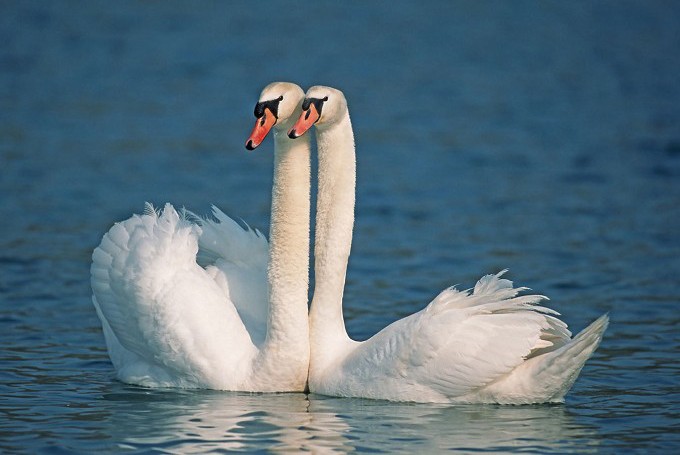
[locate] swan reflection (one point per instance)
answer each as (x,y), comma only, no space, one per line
(381,425)
(207,421)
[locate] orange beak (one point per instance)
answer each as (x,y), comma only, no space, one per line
(305,122)
(261,129)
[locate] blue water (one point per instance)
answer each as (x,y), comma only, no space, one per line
(539,136)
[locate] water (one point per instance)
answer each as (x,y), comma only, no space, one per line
(541,137)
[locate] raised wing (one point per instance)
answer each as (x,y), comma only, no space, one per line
(164,308)
(236,257)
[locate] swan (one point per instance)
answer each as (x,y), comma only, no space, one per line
(240,321)
(485,345)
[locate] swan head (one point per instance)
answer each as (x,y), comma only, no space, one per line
(278,106)
(322,106)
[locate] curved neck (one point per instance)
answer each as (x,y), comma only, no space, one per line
(333,236)
(288,271)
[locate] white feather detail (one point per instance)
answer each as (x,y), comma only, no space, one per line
(491,344)
(170,320)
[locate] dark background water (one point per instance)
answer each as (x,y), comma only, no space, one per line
(539,136)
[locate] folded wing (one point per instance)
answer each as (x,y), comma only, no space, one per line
(461,342)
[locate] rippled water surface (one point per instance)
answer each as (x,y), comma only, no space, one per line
(539,137)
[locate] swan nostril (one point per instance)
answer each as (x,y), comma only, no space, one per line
(292,134)
(249,145)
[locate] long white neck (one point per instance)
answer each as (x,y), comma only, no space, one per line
(285,353)
(333,238)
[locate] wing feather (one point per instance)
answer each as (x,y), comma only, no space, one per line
(461,341)
(237,256)
(161,306)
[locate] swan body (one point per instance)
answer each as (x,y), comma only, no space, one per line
(491,344)
(194,303)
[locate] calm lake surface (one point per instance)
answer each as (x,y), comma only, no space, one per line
(543,137)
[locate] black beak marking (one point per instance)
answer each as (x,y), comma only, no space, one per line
(272,105)
(318,104)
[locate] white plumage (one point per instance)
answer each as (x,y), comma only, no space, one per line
(487,345)
(484,345)
(186,302)
(169,321)
(194,303)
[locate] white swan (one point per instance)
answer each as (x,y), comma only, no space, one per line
(485,346)
(240,322)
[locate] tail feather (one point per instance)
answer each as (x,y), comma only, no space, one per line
(562,366)
(547,376)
